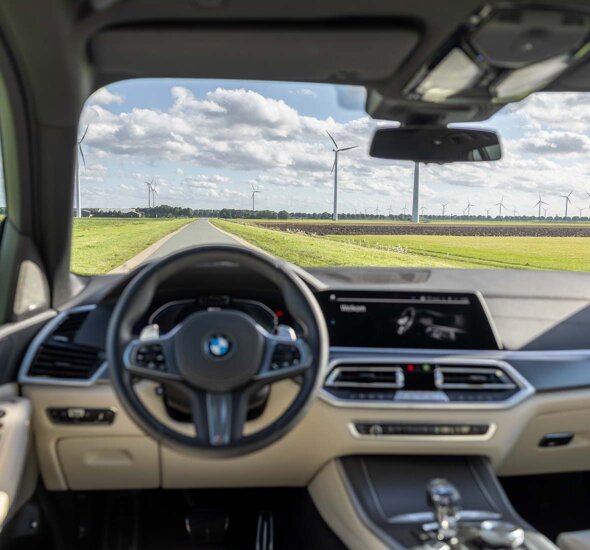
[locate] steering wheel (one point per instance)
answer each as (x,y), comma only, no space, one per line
(220,358)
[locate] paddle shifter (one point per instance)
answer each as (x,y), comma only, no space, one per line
(445,500)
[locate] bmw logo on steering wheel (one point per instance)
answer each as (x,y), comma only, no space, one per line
(218,346)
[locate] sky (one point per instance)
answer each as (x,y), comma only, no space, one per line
(206,143)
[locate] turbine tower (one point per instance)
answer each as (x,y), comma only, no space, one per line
(567,201)
(500,205)
(422,209)
(540,204)
(487,212)
(444,207)
(469,205)
(581,210)
(405,209)
(416,196)
(254,191)
(78,192)
(337,150)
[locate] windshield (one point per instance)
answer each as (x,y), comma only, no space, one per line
(165,164)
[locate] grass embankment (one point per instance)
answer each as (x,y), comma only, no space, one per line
(312,251)
(563,253)
(101,244)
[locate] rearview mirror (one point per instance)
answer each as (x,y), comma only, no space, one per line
(436,144)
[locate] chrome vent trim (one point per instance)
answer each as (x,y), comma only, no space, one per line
(334,379)
(522,385)
(504,382)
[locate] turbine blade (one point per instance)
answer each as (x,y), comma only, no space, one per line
(83,135)
(333,166)
(333,140)
(82,153)
(348,148)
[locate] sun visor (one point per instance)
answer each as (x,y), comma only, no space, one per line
(308,54)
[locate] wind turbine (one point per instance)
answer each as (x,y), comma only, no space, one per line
(254,191)
(469,205)
(567,201)
(405,209)
(539,203)
(150,187)
(389,210)
(78,192)
(514,212)
(581,210)
(545,212)
(422,209)
(154,193)
(500,205)
(337,150)
(487,212)
(444,207)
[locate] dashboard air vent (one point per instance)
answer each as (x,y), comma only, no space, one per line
(365,376)
(60,356)
(56,359)
(478,378)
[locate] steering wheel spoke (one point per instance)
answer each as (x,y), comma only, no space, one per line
(152,359)
(219,417)
(286,356)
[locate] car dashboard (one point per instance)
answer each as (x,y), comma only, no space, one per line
(421,362)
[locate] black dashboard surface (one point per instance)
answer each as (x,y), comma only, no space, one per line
(542,318)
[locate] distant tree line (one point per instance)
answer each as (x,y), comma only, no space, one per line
(166,211)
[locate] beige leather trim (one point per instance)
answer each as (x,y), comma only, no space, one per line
(574,540)
(324,434)
(109,462)
(333,501)
(14,444)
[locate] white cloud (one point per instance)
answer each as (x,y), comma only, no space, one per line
(105,97)
(217,144)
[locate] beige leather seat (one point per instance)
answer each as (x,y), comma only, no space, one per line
(574,540)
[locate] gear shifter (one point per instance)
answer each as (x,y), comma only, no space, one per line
(445,499)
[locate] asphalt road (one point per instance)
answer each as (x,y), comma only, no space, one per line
(194,234)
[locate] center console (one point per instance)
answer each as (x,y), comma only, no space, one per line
(436,503)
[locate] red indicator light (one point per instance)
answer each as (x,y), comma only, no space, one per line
(279,313)
(410,368)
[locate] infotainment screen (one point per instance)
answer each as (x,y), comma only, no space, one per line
(407,320)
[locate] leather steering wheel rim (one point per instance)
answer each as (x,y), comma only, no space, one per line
(216,434)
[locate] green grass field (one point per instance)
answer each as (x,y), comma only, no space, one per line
(563,253)
(433,222)
(312,251)
(101,244)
